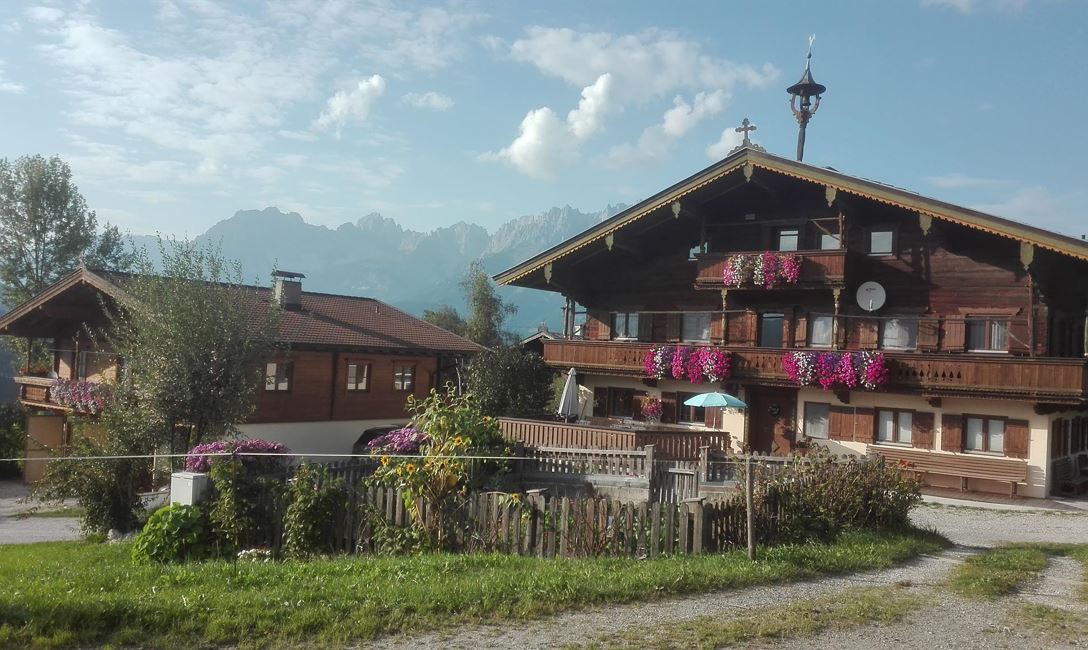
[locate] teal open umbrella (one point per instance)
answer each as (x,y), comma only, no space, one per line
(724,400)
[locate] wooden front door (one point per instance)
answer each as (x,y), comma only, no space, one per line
(771,419)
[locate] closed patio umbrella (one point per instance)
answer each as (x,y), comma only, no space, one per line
(568,403)
(723,400)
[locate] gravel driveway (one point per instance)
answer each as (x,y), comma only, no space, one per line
(17,528)
(946,622)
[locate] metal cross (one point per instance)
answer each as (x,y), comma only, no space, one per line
(745,127)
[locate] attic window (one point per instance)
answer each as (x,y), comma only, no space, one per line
(882,241)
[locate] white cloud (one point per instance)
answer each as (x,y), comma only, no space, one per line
(586,119)
(429,100)
(652,63)
(44,15)
(656,141)
(970,6)
(545,143)
(9,86)
(730,140)
(615,71)
(956,180)
(352,105)
(379,174)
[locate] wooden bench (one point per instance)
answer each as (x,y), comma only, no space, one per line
(1069,478)
(964,466)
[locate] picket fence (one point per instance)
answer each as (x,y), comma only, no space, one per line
(547,526)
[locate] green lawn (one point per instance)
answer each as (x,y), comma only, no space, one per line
(1002,570)
(65,594)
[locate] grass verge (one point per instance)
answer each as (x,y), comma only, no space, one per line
(1000,571)
(67,511)
(1052,623)
(841,610)
(67,594)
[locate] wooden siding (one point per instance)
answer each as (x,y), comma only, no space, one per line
(986,375)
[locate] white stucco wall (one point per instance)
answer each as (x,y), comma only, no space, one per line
(732,420)
(1039,426)
(334,437)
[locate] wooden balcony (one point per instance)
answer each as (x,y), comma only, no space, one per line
(1042,379)
(34,392)
(818,269)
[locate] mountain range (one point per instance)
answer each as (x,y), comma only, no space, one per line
(379,258)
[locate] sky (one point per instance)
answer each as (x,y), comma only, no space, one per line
(176,113)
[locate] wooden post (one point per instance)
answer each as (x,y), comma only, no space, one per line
(748,485)
(650,471)
(696,506)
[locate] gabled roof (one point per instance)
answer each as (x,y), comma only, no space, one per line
(325,320)
(753,159)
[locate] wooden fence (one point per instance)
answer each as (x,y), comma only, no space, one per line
(563,461)
(668,444)
(550,527)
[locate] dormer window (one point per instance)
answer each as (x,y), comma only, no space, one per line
(881,242)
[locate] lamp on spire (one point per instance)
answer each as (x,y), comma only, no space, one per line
(804,90)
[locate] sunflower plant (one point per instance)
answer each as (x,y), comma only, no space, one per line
(453,434)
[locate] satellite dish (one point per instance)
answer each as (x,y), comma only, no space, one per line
(871,296)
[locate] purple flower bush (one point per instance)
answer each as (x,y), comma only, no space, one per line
(81,396)
(657,362)
(680,356)
(652,409)
(197,460)
(831,369)
(400,441)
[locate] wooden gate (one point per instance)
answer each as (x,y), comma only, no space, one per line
(675,484)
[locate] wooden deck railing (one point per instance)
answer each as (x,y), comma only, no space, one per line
(1060,380)
(668,444)
(817,267)
(35,391)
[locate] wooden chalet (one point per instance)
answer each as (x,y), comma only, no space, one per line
(351,364)
(980,321)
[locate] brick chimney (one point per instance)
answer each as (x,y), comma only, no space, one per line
(287,289)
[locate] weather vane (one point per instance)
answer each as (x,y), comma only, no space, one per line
(805,90)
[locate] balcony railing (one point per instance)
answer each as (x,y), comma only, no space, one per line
(1049,379)
(818,268)
(77,395)
(36,391)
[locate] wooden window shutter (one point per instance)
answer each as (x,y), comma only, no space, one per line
(1019,335)
(604,324)
(668,407)
(751,329)
(600,402)
(952,432)
(717,327)
(864,425)
(800,332)
(955,335)
(840,423)
(867,334)
(928,330)
(1017,438)
(921,434)
(645,327)
(672,327)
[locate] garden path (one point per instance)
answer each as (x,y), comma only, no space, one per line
(16,528)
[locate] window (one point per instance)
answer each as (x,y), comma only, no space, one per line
(900,334)
(985,434)
(695,326)
(621,402)
(277,375)
(404,377)
(625,325)
(820,331)
(881,242)
(987,335)
(359,376)
(770,330)
(830,242)
(816,417)
(788,239)
(893,426)
(689,414)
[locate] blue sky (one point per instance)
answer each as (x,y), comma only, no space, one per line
(176,113)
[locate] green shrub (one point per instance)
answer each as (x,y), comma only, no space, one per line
(314,501)
(174,533)
(12,440)
(245,503)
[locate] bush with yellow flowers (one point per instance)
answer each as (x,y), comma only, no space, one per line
(460,450)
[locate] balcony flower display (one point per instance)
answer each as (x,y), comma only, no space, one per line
(679,367)
(652,409)
(198,460)
(80,395)
(658,361)
(402,441)
(768,269)
(836,369)
(710,364)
